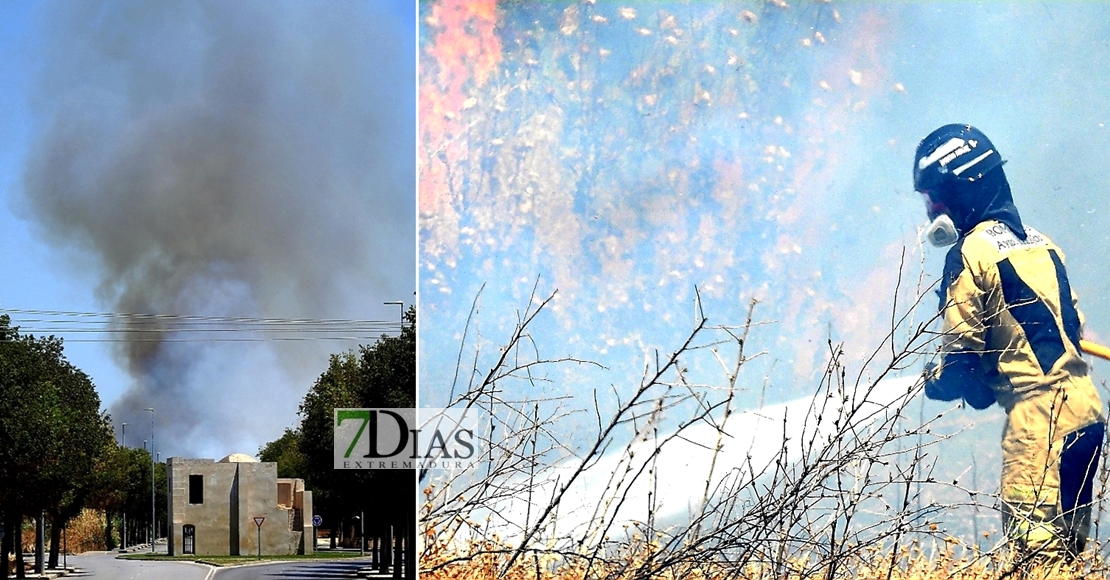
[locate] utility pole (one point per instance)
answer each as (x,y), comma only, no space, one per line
(123,533)
(152,528)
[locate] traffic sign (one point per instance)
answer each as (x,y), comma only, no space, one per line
(317,520)
(258,522)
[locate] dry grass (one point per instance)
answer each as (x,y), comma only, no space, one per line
(912,563)
(840,498)
(837,501)
(85,533)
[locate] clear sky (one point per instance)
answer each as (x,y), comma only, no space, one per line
(212,159)
(35,276)
(20,253)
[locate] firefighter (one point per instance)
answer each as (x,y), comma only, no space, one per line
(1011,335)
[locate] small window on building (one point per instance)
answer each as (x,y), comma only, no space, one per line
(196,489)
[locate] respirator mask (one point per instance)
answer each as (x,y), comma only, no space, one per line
(941,230)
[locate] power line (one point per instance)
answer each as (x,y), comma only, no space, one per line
(138,327)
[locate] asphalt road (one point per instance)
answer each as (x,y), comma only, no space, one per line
(331,570)
(105,565)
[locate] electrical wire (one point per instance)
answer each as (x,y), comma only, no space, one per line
(135,327)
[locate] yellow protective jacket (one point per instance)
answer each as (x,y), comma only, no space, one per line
(1008,306)
(1012,327)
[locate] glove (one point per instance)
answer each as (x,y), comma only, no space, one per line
(935,389)
(979,395)
(961,376)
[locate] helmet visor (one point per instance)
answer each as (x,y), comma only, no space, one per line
(933,205)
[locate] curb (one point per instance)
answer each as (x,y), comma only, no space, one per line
(243,565)
(51,574)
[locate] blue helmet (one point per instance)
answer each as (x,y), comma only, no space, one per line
(953,153)
(959,174)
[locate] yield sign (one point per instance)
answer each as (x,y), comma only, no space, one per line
(258,520)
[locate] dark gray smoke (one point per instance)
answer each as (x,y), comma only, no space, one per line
(228,159)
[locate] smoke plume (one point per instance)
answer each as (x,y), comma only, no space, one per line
(227,159)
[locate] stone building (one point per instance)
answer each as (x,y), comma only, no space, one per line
(213,506)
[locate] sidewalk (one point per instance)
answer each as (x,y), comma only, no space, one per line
(136,548)
(160,546)
(50,574)
(61,572)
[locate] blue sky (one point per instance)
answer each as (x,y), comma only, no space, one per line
(36,278)
(215,159)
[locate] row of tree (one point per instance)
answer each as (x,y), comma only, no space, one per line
(54,438)
(124,497)
(381,375)
(58,452)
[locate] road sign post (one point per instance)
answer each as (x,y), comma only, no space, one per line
(258,522)
(317,521)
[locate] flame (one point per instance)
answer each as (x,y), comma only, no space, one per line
(463,54)
(629,156)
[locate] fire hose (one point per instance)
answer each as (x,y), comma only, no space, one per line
(1095,349)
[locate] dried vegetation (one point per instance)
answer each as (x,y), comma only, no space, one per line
(535,123)
(835,494)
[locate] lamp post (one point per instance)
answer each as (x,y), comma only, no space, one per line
(146,448)
(410,528)
(152,528)
(123,534)
(361,534)
(402,307)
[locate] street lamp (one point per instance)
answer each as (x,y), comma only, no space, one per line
(123,535)
(152,528)
(361,534)
(402,306)
(409,537)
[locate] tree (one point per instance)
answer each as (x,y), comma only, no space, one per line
(122,486)
(52,434)
(331,488)
(381,375)
(285,452)
(388,379)
(85,440)
(110,490)
(388,369)
(27,404)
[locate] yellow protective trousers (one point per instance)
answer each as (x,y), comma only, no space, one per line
(1048,469)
